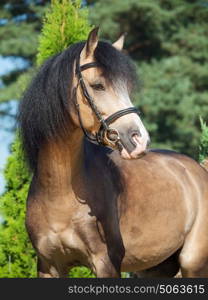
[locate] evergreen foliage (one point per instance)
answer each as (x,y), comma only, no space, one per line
(20,24)
(203,147)
(17,257)
(63,25)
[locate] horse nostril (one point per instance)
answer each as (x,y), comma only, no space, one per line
(135,135)
(135,132)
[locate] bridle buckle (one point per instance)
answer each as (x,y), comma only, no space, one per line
(111,135)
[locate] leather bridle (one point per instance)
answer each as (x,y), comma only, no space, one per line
(106,135)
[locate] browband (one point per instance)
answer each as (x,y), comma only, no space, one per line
(89,65)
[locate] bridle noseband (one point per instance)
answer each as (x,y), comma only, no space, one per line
(106,135)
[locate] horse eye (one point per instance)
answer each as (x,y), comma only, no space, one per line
(98,87)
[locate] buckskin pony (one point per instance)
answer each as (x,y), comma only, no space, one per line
(98,196)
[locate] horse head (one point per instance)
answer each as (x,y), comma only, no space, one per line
(104,79)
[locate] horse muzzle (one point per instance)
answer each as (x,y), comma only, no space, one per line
(140,144)
(132,145)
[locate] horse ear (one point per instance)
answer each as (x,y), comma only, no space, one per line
(120,42)
(90,46)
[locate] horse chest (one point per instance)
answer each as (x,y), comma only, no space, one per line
(69,238)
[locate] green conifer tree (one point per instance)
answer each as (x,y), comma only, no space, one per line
(20,23)
(63,25)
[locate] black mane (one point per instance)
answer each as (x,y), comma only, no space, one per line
(44,110)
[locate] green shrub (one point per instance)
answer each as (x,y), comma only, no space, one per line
(17,258)
(203,147)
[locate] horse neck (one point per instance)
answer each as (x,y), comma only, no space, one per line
(59,162)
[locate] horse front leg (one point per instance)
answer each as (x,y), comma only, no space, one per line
(103,268)
(46,269)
